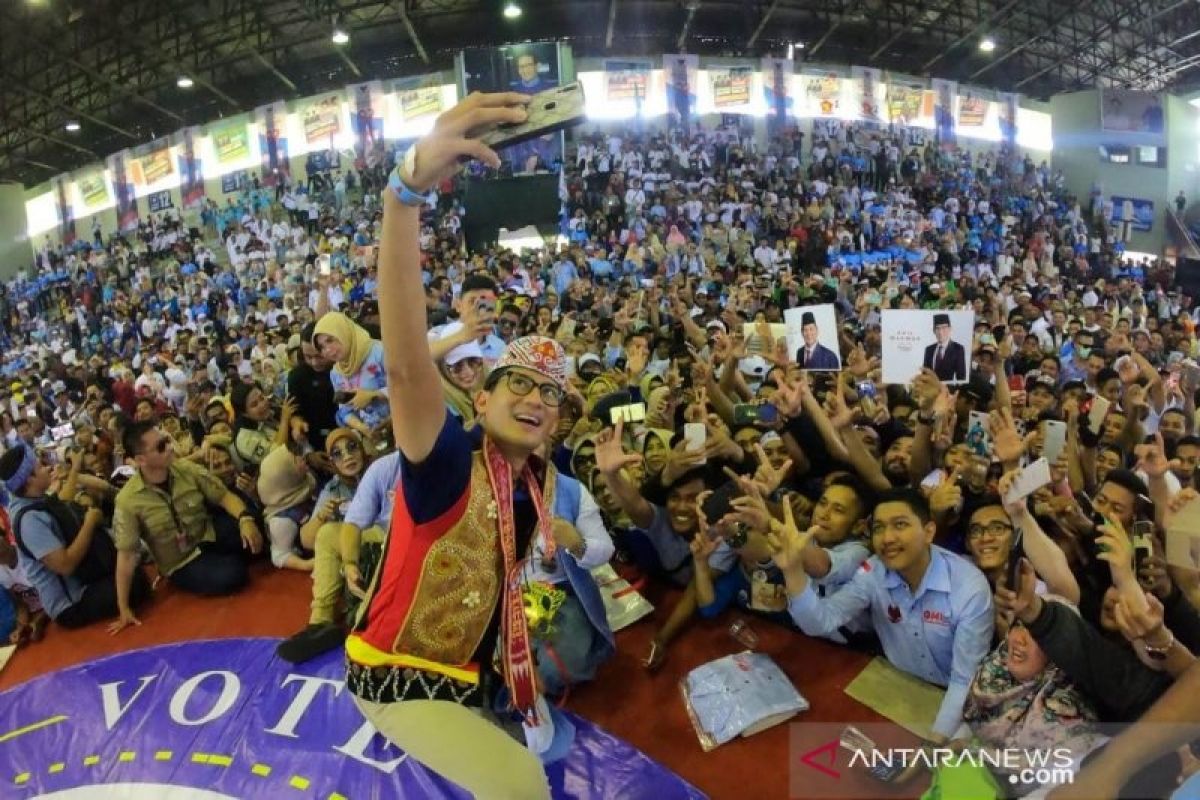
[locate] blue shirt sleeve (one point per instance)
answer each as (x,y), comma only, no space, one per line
(818,616)
(371,505)
(37,534)
(433,486)
(972,638)
(725,589)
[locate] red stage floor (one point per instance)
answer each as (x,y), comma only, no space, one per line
(644,709)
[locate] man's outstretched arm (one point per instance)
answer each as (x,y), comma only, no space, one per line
(414,389)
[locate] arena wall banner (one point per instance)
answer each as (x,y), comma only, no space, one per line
(822,94)
(154,165)
(93,189)
(730,85)
(972,110)
(214,720)
(191,185)
(66,210)
(777,88)
(1143,213)
(272,141)
(366,121)
(943,111)
(1131,111)
(127,213)
(418,97)
(1009,103)
(868,83)
(231,143)
(322,118)
(907,104)
(626,79)
(681,72)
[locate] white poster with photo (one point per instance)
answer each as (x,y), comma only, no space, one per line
(812,337)
(940,340)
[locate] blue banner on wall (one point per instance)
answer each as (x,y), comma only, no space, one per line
(1143,212)
(226,719)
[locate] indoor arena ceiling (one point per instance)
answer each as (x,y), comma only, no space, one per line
(112,66)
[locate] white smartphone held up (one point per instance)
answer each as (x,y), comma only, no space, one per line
(1033,477)
(1097,414)
(695,436)
(1055,440)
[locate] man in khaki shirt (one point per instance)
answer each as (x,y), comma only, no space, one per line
(167,505)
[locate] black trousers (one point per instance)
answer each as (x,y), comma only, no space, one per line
(99,601)
(221,567)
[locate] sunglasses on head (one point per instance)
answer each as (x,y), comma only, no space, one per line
(351,448)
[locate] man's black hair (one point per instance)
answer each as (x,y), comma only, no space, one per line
(1127,480)
(131,439)
(863,492)
(478,281)
(909,496)
(1105,375)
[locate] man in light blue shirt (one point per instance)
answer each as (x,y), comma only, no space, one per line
(931,609)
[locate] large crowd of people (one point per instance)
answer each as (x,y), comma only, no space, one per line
(450,439)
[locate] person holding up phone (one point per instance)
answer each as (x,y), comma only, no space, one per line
(473,506)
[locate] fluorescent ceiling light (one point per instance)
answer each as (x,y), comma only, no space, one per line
(987,44)
(185,82)
(512,10)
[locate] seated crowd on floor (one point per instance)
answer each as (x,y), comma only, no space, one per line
(180,402)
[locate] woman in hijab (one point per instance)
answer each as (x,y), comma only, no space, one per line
(358,375)
(1020,701)
(286,488)
(656,449)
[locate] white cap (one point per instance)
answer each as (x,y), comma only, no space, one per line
(469,350)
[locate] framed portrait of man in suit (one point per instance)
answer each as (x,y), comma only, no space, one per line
(812,338)
(917,339)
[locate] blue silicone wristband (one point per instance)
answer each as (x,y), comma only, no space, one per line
(403,193)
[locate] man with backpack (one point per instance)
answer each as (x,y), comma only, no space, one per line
(64,549)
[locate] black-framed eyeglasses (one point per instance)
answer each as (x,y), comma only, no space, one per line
(521,385)
(351,448)
(993,530)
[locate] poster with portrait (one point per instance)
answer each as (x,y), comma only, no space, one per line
(322,118)
(682,74)
(944,93)
(1131,111)
(869,83)
(730,85)
(66,209)
(273,142)
(366,121)
(914,339)
(626,79)
(127,213)
(1009,102)
(812,337)
(191,173)
(527,68)
(777,90)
